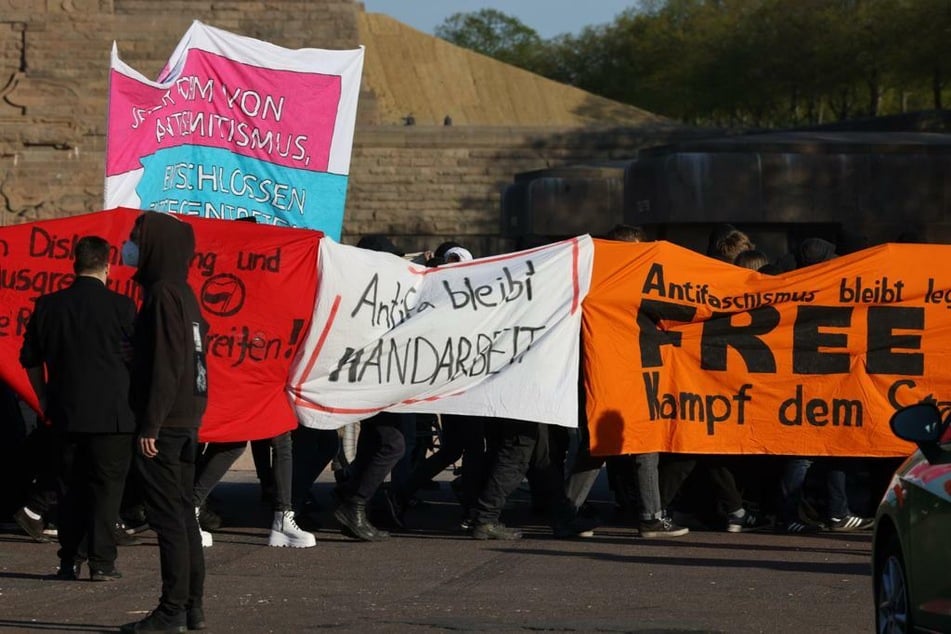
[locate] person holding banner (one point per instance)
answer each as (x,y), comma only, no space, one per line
(511,446)
(797,514)
(73,359)
(169,397)
(728,244)
(380,446)
(460,437)
(653,520)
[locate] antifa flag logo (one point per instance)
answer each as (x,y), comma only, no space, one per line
(223,295)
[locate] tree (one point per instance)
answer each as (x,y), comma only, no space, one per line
(495,34)
(750,63)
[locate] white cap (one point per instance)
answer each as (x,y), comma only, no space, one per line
(462,254)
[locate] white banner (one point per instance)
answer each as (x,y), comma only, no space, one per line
(495,337)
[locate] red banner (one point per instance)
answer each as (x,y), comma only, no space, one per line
(256,285)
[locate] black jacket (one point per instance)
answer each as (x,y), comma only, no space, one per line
(169,375)
(77,333)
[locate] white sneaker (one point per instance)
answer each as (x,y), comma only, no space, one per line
(206,539)
(286,532)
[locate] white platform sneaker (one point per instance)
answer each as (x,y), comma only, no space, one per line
(206,539)
(286,532)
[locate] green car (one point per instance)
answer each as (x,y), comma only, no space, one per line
(912,545)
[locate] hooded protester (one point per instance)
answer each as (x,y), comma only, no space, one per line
(169,394)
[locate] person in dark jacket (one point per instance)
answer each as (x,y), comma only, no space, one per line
(76,335)
(169,395)
(380,445)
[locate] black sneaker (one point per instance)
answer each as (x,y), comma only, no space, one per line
(661,527)
(749,522)
(208,519)
(69,571)
(574,528)
(122,535)
(135,520)
(796,527)
(195,619)
(495,530)
(33,528)
(104,575)
(158,622)
(850,523)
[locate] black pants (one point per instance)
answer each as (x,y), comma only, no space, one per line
(95,467)
(461,437)
(510,447)
(168,480)
(313,450)
(46,446)
(218,457)
(676,468)
(14,459)
(380,446)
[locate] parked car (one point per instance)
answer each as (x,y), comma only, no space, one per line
(911,557)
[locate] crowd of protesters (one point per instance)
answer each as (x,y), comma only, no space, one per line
(70,479)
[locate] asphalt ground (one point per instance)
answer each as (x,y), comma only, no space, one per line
(432,577)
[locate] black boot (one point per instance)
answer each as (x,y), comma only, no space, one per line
(158,621)
(495,530)
(353,517)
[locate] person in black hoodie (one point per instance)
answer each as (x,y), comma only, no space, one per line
(169,393)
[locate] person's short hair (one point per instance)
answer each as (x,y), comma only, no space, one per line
(91,255)
(731,244)
(751,259)
(626,233)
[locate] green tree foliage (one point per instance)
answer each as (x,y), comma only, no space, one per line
(742,62)
(497,35)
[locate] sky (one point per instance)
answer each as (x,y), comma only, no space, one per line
(548,17)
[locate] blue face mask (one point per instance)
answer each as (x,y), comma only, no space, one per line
(130,253)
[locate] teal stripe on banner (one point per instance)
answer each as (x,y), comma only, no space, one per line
(216,183)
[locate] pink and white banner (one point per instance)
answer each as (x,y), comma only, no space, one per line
(235,127)
(495,337)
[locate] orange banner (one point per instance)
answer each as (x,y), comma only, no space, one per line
(684,353)
(256,285)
